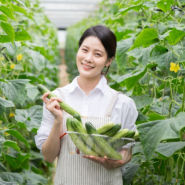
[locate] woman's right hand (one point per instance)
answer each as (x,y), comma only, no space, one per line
(53,106)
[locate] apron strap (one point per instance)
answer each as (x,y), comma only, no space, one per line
(111,104)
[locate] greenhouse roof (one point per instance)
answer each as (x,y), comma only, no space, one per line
(64,13)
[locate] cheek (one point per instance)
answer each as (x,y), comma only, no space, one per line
(79,56)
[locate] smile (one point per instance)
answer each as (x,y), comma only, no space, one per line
(88,67)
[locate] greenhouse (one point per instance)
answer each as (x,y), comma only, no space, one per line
(92,92)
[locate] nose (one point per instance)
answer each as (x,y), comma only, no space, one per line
(89,57)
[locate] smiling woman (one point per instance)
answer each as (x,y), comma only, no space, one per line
(97,103)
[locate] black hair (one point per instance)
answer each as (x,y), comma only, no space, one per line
(106,36)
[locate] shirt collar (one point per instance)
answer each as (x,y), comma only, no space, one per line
(101,85)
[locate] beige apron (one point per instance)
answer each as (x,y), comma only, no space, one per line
(76,170)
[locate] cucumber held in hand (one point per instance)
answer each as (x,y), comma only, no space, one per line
(63,105)
(77,140)
(102,143)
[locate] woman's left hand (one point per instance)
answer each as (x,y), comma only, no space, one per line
(108,163)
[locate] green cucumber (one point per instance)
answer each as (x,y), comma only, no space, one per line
(78,127)
(63,105)
(120,134)
(102,143)
(77,140)
(130,134)
(113,130)
(78,117)
(136,136)
(105,128)
(118,143)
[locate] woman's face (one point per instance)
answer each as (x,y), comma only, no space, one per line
(91,57)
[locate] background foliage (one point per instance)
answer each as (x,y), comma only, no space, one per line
(148,67)
(28,55)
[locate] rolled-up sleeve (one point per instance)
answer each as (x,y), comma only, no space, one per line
(45,127)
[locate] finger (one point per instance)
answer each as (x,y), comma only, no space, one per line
(52,105)
(94,158)
(54,99)
(44,97)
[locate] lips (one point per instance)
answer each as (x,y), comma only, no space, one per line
(87,66)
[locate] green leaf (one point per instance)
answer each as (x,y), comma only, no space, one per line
(31,117)
(2,167)
(7,11)
(124,10)
(22,35)
(3,80)
(130,169)
(147,35)
(35,178)
(131,79)
(19,9)
(3,17)
(32,91)
(165,5)
(4,104)
(15,90)
(162,57)
(20,2)
(12,177)
(37,47)
(9,143)
(154,116)
(137,148)
(8,30)
(142,101)
(175,36)
(19,36)
(168,149)
(18,67)
(16,134)
(122,47)
(141,118)
(17,159)
(151,133)
(8,183)
(10,49)
(37,59)
(142,54)
(4,39)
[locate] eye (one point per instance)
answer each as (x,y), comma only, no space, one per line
(84,49)
(98,54)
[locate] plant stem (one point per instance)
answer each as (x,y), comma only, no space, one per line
(182,109)
(6,117)
(154,88)
(146,14)
(157,77)
(171,97)
(153,177)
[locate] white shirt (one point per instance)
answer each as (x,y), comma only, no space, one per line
(92,105)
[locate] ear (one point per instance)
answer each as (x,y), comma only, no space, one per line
(109,61)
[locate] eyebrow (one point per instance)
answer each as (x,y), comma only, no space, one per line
(95,49)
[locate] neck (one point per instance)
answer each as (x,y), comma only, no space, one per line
(88,84)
